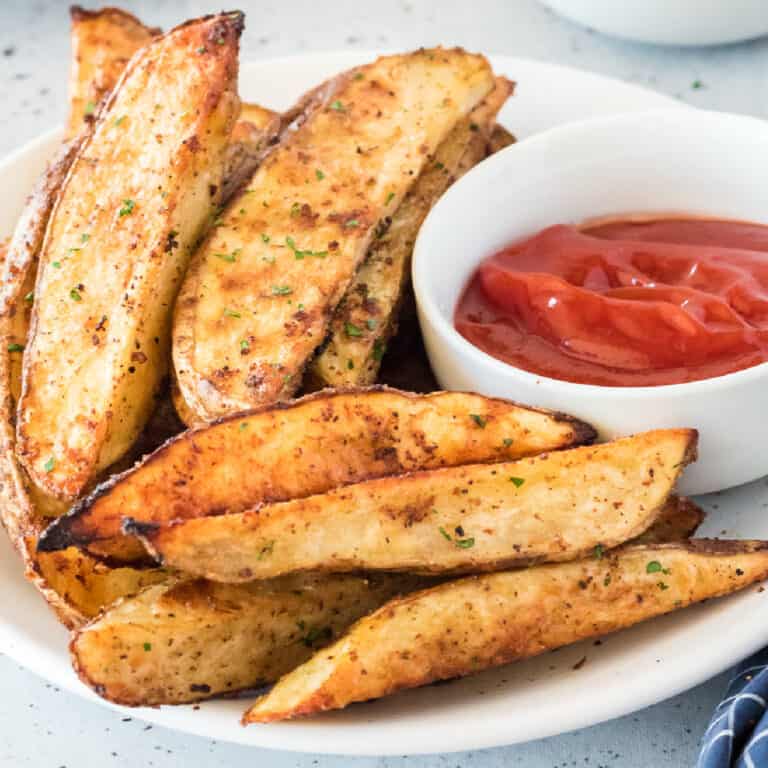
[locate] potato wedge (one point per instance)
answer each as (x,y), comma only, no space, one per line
(195,639)
(88,585)
(103,41)
(467,625)
(478,517)
(367,315)
(256,130)
(677,521)
(115,251)
(246,326)
(500,139)
(308,446)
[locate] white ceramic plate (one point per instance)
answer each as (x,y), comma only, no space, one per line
(524,701)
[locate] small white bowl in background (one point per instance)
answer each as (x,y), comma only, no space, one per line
(671,161)
(670,22)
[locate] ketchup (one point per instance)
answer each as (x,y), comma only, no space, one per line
(625,303)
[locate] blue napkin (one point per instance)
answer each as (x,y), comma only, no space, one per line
(737,736)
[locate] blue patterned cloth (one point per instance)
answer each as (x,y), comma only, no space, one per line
(737,736)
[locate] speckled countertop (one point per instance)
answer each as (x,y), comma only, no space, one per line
(42,726)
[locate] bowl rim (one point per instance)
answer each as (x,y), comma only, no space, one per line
(428,306)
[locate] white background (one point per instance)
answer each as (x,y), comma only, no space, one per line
(41,726)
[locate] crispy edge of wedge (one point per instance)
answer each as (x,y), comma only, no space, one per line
(102,42)
(192,639)
(560,506)
(678,520)
(474,623)
(307,446)
(366,317)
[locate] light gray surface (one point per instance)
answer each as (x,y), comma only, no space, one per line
(41,726)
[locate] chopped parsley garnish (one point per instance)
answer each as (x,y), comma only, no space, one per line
(299,254)
(607,579)
(352,330)
(243,425)
(15,347)
(474,127)
(370,324)
(202,49)
(49,465)
(390,198)
(379,348)
(338,106)
(653,567)
(281,290)
(295,209)
(74,250)
(85,237)
(230,257)
(517,481)
(314,634)
(462,543)
(351,223)
(350,364)
(319,175)
(128,206)
(30,296)
(245,346)
(90,108)
(359,75)
(57,264)
(599,551)
(147,647)
(221,41)
(265,238)
(478,419)
(74,294)
(697,85)
(507,442)
(663,586)
(231,313)
(119,120)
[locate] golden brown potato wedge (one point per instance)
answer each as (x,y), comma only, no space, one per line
(103,41)
(195,639)
(478,517)
(467,625)
(308,446)
(257,298)
(129,212)
(500,139)
(677,521)
(257,129)
(89,586)
(367,315)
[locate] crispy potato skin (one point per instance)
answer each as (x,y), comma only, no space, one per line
(308,446)
(677,521)
(102,42)
(367,315)
(244,328)
(500,139)
(468,625)
(131,208)
(561,506)
(195,639)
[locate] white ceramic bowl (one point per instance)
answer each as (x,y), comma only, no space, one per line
(670,22)
(688,161)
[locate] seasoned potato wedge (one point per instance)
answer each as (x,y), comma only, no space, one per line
(102,43)
(467,625)
(131,208)
(257,298)
(500,139)
(308,446)
(195,639)
(478,517)
(88,585)
(257,129)
(677,521)
(367,315)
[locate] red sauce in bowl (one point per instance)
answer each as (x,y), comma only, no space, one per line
(625,303)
